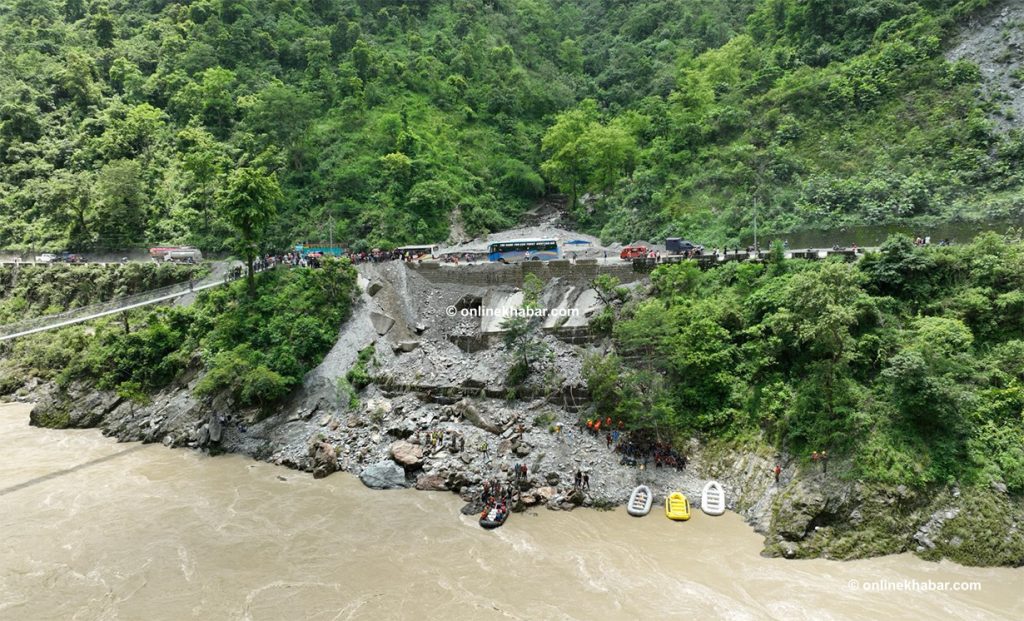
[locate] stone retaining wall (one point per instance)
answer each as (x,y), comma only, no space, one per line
(497,274)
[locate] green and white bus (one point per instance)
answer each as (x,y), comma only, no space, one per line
(524,250)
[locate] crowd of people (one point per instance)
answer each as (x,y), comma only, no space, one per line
(642,453)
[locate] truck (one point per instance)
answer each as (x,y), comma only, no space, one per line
(676,245)
(180,254)
(184,255)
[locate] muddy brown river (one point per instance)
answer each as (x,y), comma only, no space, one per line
(94,529)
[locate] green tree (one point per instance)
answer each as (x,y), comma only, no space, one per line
(117,215)
(204,158)
(249,202)
(568,161)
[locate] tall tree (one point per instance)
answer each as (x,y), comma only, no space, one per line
(567,164)
(249,202)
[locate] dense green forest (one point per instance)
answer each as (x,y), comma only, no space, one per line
(909,362)
(382,121)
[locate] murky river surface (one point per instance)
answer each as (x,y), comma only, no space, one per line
(93,529)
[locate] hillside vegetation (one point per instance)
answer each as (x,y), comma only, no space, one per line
(909,364)
(125,123)
(251,348)
(33,290)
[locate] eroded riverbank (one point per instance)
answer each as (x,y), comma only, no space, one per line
(100,529)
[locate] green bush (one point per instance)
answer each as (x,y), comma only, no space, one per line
(359,375)
(893,362)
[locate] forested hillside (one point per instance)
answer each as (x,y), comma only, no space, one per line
(123,122)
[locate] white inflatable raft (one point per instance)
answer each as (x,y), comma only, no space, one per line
(712,498)
(640,501)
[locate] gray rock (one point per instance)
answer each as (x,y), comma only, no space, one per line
(381,322)
(383,475)
(374,287)
(788,549)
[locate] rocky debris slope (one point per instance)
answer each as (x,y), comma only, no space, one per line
(994,40)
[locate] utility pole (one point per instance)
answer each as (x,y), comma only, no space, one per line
(330,231)
(755,224)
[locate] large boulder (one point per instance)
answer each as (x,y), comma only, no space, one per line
(216,428)
(546,493)
(383,475)
(797,508)
(431,483)
(325,459)
(406,454)
(381,322)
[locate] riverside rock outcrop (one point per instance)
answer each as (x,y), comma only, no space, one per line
(440,417)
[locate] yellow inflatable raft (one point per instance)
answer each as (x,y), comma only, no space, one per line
(677,507)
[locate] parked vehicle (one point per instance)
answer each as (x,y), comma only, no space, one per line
(182,254)
(159,252)
(70,257)
(634,252)
(524,250)
(419,251)
(676,245)
(46,257)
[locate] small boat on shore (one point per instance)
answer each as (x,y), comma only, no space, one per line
(493,516)
(677,507)
(640,501)
(712,498)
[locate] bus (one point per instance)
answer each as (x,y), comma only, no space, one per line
(324,248)
(524,250)
(422,250)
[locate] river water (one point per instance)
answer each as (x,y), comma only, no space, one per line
(94,529)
